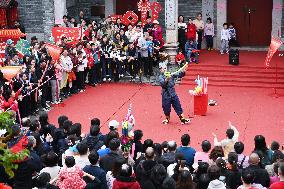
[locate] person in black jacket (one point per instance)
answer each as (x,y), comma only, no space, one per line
(28,168)
(96,171)
(107,161)
(261,175)
(138,134)
(43,77)
(93,141)
(144,169)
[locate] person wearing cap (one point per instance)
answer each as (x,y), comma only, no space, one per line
(169,96)
(10,50)
(158,33)
(113,125)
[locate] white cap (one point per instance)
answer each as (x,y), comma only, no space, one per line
(113,124)
(162,65)
(156,22)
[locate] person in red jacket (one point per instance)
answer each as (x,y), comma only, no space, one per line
(191,30)
(180,58)
(125,179)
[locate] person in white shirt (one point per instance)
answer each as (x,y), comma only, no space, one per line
(228,143)
(50,160)
(198,22)
(225,37)
(82,64)
(67,66)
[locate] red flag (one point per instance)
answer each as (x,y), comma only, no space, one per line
(54,51)
(274,46)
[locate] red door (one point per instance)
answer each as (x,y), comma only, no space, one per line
(252,20)
(126,5)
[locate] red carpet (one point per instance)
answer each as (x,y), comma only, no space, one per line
(246,101)
(250,73)
(253,111)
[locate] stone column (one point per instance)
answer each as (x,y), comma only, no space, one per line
(59,10)
(221,19)
(171,17)
(277,18)
(207,9)
(110,7)
(48,18)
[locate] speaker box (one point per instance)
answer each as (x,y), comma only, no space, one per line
(234,58)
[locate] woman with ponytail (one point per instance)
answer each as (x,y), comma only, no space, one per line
(233,175)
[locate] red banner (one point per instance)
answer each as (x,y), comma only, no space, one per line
(72,34)
(54,51)
(274,46)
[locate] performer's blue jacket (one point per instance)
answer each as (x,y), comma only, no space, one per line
(168,88)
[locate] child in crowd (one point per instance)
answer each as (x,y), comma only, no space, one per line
(96,75)
(191,51)
(71,176)
(233,35)
(225,37)
(180,58)
(209,33)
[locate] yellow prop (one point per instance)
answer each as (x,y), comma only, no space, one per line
(169,74)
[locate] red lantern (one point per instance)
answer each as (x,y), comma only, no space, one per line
(10,71)
(54,51)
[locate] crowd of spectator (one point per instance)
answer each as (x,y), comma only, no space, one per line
(64,157)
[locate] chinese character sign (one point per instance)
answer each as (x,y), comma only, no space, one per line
(72,34)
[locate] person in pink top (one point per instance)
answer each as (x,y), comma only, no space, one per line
(202,156)
(71,177)
(158,33)
(209,33)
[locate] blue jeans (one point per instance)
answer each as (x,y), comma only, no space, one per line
(168,102)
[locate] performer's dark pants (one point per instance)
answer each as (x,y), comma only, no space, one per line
(209,41)
(168,102)
(133,67)
(106,67)
(44,95)
(80,80)
(199,40)
(148,65)
(97,73)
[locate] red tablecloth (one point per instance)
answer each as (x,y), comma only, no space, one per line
(200,104)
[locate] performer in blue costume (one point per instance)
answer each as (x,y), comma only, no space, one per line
(169,96)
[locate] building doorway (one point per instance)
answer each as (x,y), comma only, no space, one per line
(252,20)
(126,5)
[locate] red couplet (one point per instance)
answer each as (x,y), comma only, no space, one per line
(200,104)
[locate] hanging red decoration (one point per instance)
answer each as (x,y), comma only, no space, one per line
(129,18)
(144,6)
(156,8)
